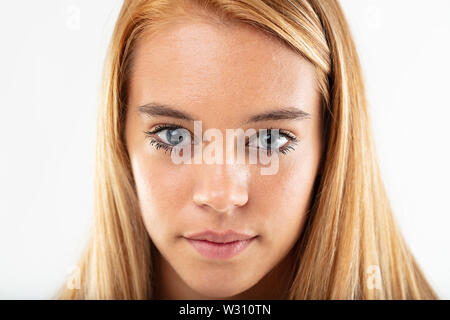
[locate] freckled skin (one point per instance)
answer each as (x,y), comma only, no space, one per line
(222,75)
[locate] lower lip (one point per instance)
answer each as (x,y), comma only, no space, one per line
(214,250)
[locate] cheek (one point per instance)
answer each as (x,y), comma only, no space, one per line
(284,199)
(162,190)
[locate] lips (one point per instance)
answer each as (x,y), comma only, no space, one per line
(214,245)
(212,236)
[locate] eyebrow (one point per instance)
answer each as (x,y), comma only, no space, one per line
(286,113)
(157,109)
(162,110)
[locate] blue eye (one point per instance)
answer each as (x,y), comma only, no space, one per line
(269,141)
(174,137)
(274,139)
(170,136)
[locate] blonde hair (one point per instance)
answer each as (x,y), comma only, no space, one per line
(350,226)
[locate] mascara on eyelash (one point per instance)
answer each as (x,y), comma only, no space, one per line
(158,145)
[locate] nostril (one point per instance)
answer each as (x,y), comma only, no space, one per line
(221,201)
(220,190)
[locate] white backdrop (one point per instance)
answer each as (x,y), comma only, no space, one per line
(51,57)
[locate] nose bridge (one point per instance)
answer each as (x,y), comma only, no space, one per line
(223,187)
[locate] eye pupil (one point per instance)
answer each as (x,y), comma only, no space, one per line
(267,140)
(174,136)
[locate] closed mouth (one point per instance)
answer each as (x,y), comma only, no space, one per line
(220,250)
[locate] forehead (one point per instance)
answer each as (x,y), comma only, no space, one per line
(209,67)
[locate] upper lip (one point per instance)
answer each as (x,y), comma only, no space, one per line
(224,237)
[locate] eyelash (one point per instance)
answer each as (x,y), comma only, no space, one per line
(293,140)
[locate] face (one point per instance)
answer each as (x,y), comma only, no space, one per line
(223,76)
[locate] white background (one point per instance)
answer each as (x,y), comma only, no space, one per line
(50,62)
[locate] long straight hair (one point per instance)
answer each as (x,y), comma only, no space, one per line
(350,248)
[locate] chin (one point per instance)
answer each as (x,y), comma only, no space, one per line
(216,291)
(219,286)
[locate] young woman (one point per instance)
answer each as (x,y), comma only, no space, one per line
(319,226)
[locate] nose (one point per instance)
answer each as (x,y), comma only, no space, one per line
(222,187)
